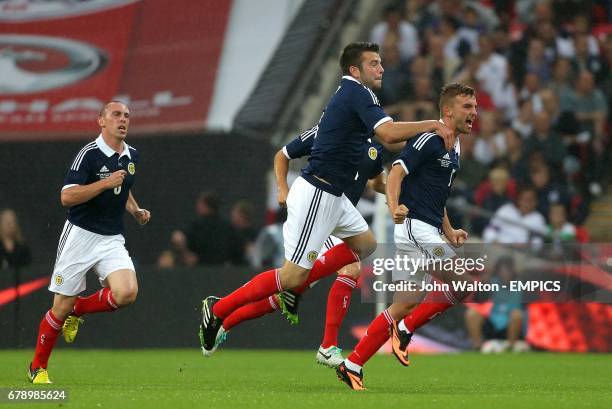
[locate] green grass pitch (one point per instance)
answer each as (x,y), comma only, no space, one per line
(291,379)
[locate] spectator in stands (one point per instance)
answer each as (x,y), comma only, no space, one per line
(581,27)
(490,143)
(583,59)
(492,69)
(561,233)
(537,62)
(588,103)
(395,86)
(515,156)
(519,225)
(421,106)
(418,14)
(14,251)
(505,97)
(561,77)
(472,171)
(504,323)
(549,192)
(492,194)
(546,140)
(394,24)
(268,249)
(523,123)
(441,69)
(207,239)
(456,45)
(242,233)
(530,90)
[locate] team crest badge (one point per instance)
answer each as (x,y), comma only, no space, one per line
(372,153)
(59,280)
(131,168)
(438,251)
(311,256)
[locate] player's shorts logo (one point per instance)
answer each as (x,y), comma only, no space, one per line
(372,153)
(131,168)
(59,280)
(438,251)
(311,256)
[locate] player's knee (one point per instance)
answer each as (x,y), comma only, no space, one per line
(125,296)
(352,270)
(297,279)
(62,307)
(292,276)
(369,246)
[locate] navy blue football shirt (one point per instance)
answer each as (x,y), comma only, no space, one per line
(349,120)
(430,170)
(102,214)
(370,163)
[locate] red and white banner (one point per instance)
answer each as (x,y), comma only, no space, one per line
(61,61)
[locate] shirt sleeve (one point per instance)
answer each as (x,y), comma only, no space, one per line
(368,108)
(302,145)
(79,171)
(417,152)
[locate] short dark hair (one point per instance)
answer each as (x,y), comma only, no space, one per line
(450,91)
(104,108)
(351,55)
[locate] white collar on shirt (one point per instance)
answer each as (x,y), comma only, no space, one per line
(108,151)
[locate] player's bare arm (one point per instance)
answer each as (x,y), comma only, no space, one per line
(75,195)
(142,216)
(392,132)
(377,183)
(456,236)
(394,183)
(281,169)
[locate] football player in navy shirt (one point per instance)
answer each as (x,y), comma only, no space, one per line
(97,192)
(417,188)
(370,172)
(317,205)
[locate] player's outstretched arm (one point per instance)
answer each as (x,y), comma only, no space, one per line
(281,169)
(75,195)
(394,183)
(456,236)
(377,183)
(142,216)
(391,132)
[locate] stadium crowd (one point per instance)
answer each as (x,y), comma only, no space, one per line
(542,74)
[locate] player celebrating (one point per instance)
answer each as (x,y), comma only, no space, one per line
(97,192)
(371,173)
(316,203)
(419,182)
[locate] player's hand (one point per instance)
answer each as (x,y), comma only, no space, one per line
(282,197)
(142,216)
(447,134)
(457,237)
(399,214)
(115,179)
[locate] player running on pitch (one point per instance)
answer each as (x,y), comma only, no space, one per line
(417,188)
(370,173)
(97,191)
